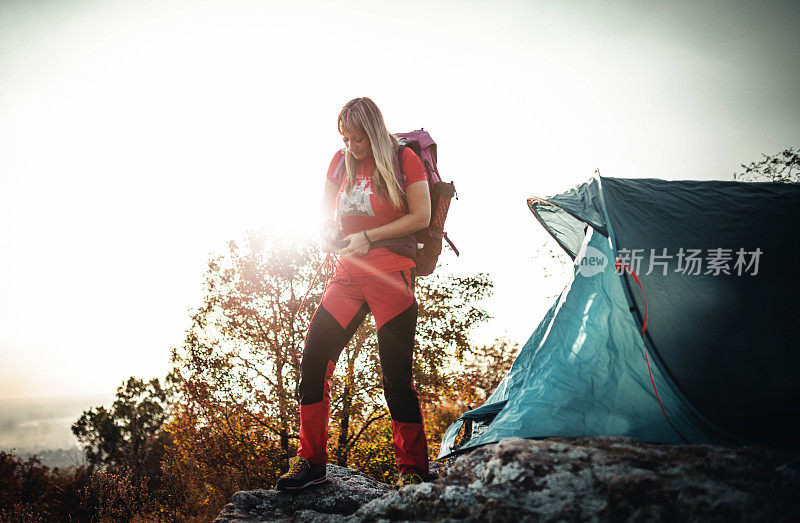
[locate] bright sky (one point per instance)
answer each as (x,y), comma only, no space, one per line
(137,137)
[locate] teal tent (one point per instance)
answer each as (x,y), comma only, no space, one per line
(719,263)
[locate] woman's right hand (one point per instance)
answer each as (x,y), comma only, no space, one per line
(329,236)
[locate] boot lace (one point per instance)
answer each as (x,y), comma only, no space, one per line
(296,465)
(409,479)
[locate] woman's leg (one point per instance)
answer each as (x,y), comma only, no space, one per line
(336,320)
(396,321)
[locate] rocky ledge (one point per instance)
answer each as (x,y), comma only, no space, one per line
(572,479)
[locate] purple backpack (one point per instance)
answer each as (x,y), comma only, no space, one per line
(425,246)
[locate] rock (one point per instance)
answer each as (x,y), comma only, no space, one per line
(345,491)
(592,479)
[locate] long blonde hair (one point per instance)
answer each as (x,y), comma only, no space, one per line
(362,116)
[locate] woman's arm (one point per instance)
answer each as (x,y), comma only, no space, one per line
(326,207)
(327,225)
(418,217)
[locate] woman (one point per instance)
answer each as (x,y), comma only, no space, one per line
(381,200)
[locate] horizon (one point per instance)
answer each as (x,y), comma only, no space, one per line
(33,425)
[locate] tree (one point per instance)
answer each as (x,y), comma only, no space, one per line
(782,167)
(25,488)
(239,366)
(470,384)
(475,385)
(126,438)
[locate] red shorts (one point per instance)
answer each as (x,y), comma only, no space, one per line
(387,295)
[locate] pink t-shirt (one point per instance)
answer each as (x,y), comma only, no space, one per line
(362,209)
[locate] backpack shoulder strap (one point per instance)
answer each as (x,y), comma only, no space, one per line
(338,174)
(401,175)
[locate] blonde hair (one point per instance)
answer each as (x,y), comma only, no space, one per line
(362,116)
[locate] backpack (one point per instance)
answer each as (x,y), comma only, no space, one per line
(425,246)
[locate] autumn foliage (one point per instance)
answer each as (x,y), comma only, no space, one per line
(235,419)
(226,418)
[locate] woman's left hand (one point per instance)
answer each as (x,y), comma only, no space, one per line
(357,245)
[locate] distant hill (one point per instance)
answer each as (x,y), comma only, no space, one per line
(41,426)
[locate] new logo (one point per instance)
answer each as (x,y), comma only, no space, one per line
(592,262)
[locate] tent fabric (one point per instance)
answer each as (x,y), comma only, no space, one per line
(728,340)
(565,216)
(722,348)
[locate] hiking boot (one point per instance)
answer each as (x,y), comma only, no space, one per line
(301,474)
(409,478)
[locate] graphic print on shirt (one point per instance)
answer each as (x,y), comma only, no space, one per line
(358,201)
